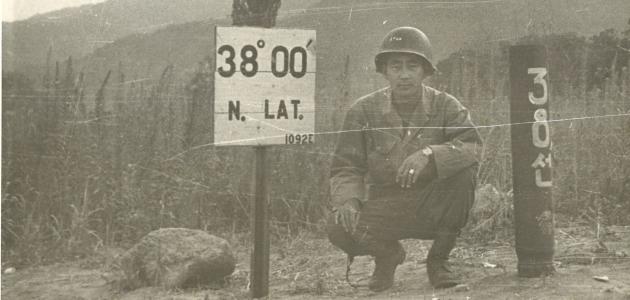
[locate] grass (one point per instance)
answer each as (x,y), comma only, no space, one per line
(83,172)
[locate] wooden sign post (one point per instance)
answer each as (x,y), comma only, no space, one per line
(259,264)
(264,95)
(531,160)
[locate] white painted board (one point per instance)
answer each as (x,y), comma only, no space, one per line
(264,86)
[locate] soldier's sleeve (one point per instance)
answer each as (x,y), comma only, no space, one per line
(349,163)
(463,141)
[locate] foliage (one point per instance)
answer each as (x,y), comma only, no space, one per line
(83,171)
(589,80)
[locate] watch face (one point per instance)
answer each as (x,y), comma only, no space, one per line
(427,151)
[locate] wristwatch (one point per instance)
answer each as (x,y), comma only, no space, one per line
(427,151)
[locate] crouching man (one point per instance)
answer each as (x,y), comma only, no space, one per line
(404,166)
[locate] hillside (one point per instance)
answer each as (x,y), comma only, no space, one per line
(357,32)
(128,31)
(78,31)
(451,26)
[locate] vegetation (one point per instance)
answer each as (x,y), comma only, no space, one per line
(82,171)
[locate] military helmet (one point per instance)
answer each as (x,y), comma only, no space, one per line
(406,40)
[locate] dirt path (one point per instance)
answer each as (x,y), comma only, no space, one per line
(309,268)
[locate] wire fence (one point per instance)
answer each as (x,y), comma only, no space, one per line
(81,169)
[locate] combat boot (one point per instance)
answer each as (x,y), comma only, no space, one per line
(440,274)
(386,262)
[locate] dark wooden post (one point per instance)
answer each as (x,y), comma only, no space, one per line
(258,13)
(531,160)
(259,266)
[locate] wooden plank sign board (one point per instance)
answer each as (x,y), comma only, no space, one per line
(264,86)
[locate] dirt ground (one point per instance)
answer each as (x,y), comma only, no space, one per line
(307,267)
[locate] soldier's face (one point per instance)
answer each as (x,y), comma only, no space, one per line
(405,73)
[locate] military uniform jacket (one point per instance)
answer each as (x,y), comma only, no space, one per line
(373,142)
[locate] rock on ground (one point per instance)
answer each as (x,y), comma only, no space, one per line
(176,258)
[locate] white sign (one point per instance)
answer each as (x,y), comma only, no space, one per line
(264,86)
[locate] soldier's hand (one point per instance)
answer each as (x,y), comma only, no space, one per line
(348,215)
(410,169)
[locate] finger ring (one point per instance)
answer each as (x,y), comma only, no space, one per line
(411,171)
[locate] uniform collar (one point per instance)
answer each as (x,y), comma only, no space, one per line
(418,119)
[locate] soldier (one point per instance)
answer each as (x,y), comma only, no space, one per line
(404,166)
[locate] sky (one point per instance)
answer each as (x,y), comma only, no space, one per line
(13,10)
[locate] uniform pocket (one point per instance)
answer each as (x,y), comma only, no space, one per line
(382,167)
(383,141)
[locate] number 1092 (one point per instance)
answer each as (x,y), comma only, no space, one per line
(291,139)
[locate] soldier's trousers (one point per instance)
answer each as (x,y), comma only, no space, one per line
(390,214)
